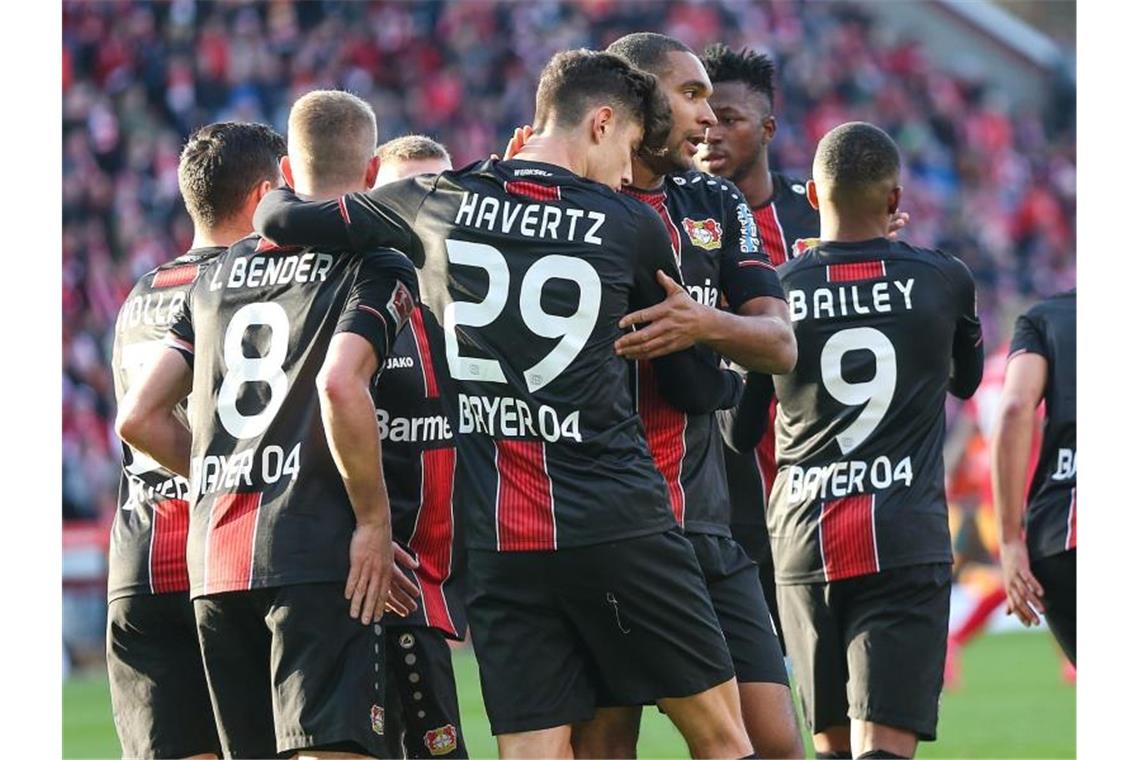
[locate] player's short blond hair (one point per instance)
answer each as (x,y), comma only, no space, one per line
(412,148)
(331,137)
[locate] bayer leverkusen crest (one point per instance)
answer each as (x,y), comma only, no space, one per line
(377,717)
(440,741)
(705,233)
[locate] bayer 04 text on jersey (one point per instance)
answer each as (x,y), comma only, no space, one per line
(846,478)
(508,417)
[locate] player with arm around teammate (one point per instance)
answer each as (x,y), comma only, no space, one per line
(858,519)
(289,549)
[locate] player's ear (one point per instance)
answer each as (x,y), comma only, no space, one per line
(812,194)
(261,190)
(287,171)
(768,129)
(893,199)
(371,172)
(602,123)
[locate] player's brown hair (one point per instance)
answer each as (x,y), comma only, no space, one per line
(412,148)
(221,164)
(648,51)
(574,81)
(331,136)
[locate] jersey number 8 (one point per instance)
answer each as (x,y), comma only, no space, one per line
(242,369)
(574,330)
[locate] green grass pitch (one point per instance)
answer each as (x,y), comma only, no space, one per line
(1012,703)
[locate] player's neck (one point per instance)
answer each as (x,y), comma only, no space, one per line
(553,150)
(757,184)
(852,230)
(644,177)
(220,236)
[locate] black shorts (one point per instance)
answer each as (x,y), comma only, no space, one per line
(870,648)
(288,669)
(754,539)
(559,633)
(738,599)
(1058,576)
(422,706)
(158,686)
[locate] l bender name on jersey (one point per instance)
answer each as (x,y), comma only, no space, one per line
(838,301)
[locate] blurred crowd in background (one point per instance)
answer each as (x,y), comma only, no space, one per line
(994,185)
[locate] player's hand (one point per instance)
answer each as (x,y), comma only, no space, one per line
(1022,591)
(674,324)
(403,592)
(369,571)
(899,220)
(518,140)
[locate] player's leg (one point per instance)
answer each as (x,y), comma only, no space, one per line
(742,611)
(424,687)
(532,668)
(337,708)
(235,653)
(811,620)
(612,732)
(642,609)
(896,629)
(1058,576)
(159,696)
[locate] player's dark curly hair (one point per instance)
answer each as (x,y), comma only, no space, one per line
(647,50)
(574,81)
(753,69)
(222,163)
(854,156)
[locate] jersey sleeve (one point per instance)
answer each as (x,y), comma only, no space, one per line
(746,271)
(968,352)
(652,251)
(743,425)
(180,336)
(1028,336)
(381,301)
(361,222)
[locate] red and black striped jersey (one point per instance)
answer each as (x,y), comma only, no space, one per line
(148,535)
(268,505)
(787,225)
(415,411)
(884,330)
(715,241)
(531,268)
(1049,329)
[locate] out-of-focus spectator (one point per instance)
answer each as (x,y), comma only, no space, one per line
(995,186)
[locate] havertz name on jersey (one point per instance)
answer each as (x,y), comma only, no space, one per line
(536,220)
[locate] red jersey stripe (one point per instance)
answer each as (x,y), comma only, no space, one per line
(771,233)
(847,537)
(433,535)
(229,545)
(1071,535)
(170,524)
(343,207)
(665,434)
(169,278)
(534,190)
(423,348)
(524,506)
(766,453)
(856,270)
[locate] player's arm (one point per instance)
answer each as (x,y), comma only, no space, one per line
(380,218)
(744,425)
(691,381)
(757,331)
(377,309)
(969,356)
(1024,386)
(146,418)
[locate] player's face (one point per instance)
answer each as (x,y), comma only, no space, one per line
(688,87)
(611,162)
(401,168)
(744,127)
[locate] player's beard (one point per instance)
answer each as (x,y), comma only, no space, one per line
(674,160)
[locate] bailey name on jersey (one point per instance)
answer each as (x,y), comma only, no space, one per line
(535,220)
(853,299)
